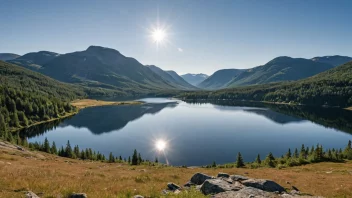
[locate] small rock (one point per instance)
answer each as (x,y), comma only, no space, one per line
(295,192)
(199,178)
(214,186)
(138,196)
(262,184)
(173,186)
(238,177)
(31,194)
(177,192)
(223,175)
(78,195)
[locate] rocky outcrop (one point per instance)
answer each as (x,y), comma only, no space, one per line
(78,195)
(263,184)
(235,186)
(199,178)
(31,194)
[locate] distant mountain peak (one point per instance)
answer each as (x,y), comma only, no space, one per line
(99,49)
(335,60)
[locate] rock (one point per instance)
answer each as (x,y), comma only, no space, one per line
(295,188)
(199,178)
(238,177)
(31,194)
(214,186)
(189,184)
(165,192)
(223,175)
(177,192)
(295,192)
(173,186)
(246,192)
(262,184)
(78,195)
(138,196)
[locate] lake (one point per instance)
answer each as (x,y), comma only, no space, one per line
(198,133)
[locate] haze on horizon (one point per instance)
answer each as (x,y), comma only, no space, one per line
(202,36)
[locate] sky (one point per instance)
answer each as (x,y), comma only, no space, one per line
(202,36)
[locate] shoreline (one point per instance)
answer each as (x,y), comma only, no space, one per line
(80,104)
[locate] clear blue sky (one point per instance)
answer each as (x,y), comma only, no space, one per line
(213,34)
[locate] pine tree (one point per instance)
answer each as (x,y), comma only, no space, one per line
(18,139)
(68,150)
(135,158)
(270,160)
(156,160)
(302,153)
(25,142)
(46,147)
(53,148)
(111,158)
(295,155)
(2,125)
(120,158)
(258,160)
(288,154)
(329,154)
(239,161)
(214,164)
(129,159)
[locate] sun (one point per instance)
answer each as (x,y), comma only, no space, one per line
(158,35)
(160,145)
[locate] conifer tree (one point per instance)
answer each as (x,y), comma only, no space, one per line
(302,153)
(18,139)
(258,160)
(46,146)
(214,164)
(156,160)
(2,125)
(25,142)
(295,154)
(239,161)
(288,154)
(139,158)
(312,151)
(329,154)
(53,148)
(120,158)
(135,157)
(270,160)
(68,150)
(129,159)
(111,158)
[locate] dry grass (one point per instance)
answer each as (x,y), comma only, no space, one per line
(53,176)
(84,103)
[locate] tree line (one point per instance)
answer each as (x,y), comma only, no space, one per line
(305,155)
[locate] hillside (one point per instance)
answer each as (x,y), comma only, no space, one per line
(333,60)
(34,60)
(332,87)
(172,78)
(180,80)
(220,78)
(279,69)
(8,56)
(194,79)
(104,67)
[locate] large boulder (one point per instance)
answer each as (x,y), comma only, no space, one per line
(238,177)
(214,186)
(78,195)
(199,178)
(263,184)
(225,175)
(246,192)
(172,186)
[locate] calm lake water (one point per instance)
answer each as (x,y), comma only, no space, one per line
(199,133)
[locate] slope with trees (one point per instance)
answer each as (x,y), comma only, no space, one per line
(333,60)
(194,79)
(8,56)
(220,78)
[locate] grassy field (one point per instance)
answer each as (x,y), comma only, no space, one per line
(52,176)
(84,103)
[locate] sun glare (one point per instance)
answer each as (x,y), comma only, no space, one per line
(158,35)
(160,145)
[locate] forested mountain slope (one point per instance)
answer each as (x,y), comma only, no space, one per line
(220,78)
(333,60)
(8,56)
(194,79)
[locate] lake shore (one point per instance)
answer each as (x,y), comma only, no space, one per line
(84,103)
(58,176)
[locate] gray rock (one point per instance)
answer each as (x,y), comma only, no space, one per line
(247,192)
(31,194)
(199,178)
(238,177)
(214,186)
(223,175)
(262,184)
(173,186)
(78,195)
(177,192)
(189,184)
(138,196)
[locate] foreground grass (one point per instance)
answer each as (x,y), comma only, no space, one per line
(84,103)
(52,176)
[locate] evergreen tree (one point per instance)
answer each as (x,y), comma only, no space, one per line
(329,154)
(288,154)
(53,148)
(239,161)
(120,158)
(111,158)
(129,159)
(214,164)
(156,160)
(25,142)
(258,160)
(295,154)
(312,151)
(2,125)
(46,147)
(270,160)
(68,150)
(135,158)
(302,153)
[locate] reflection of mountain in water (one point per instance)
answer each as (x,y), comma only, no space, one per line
(108,118)
(328,117)
(100,119)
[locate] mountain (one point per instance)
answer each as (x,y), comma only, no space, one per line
(34,60)
(331,88)
(100,67)
(180,80)
(220,79)
(194,79)
(8,56)
(172,78)
(333,60)
(279,69)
